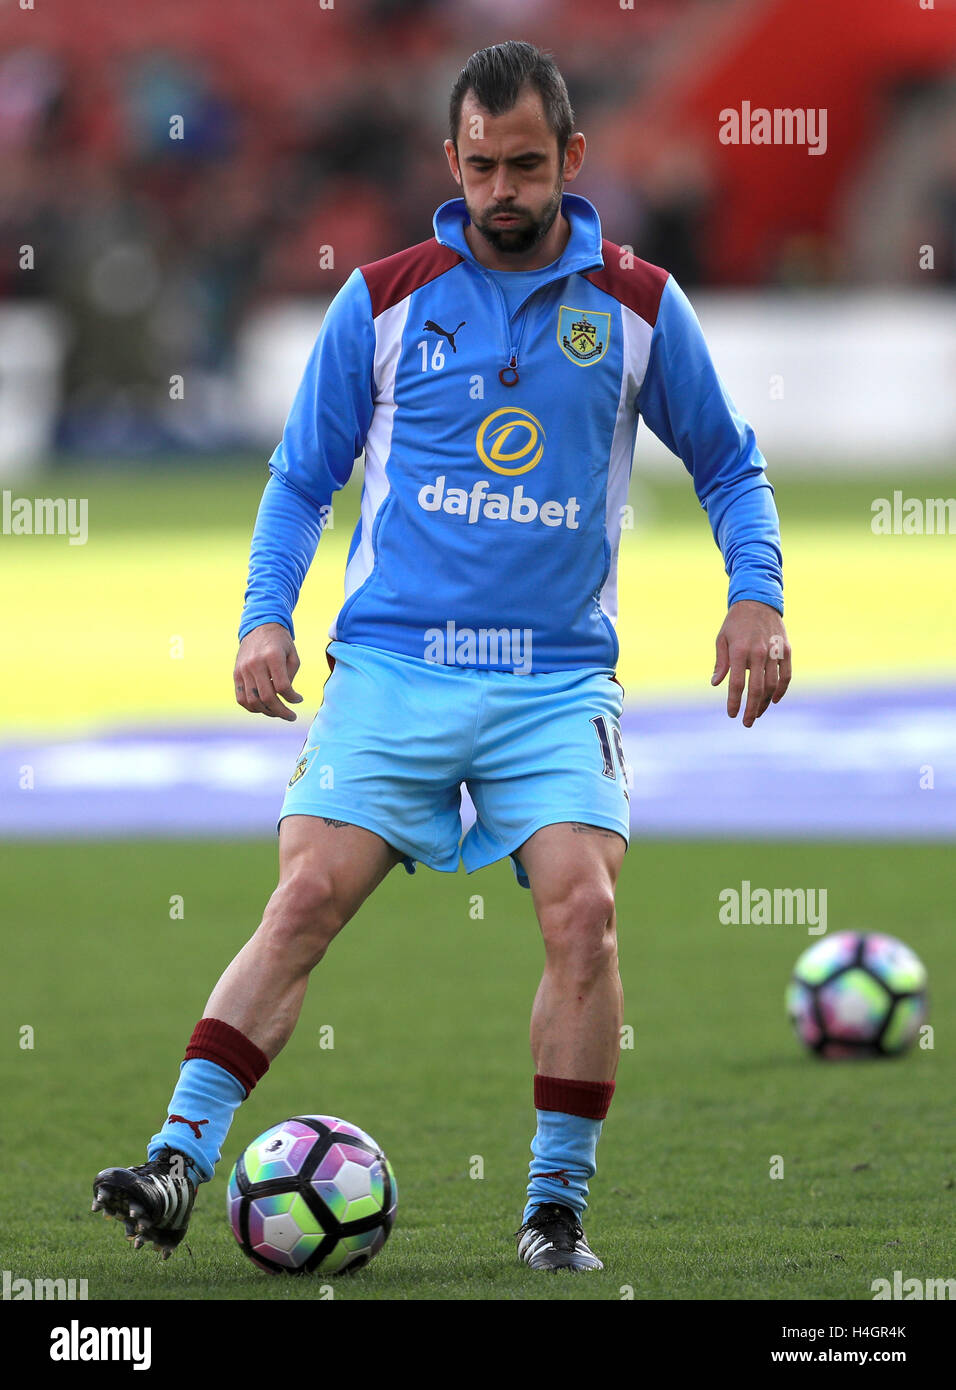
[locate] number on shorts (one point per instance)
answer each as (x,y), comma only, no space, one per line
(600,728)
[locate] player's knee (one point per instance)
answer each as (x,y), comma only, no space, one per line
(578,930)
(304,914)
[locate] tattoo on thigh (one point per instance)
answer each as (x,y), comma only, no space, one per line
(580,829)
(335,824)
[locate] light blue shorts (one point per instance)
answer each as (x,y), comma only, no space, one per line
(396,736)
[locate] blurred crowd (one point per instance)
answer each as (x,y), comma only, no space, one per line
(305,148)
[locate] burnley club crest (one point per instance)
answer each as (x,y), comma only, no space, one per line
(583,334)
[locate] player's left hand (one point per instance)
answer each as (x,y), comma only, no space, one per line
(753,638)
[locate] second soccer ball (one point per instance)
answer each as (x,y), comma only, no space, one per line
(858,994)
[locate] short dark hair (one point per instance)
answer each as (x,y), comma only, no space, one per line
(497,75)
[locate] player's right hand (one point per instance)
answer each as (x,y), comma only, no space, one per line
(265,669)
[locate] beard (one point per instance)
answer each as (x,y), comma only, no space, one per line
(518,240)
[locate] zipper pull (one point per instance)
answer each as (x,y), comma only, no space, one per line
(512,367)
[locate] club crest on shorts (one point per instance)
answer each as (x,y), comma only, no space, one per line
(583,334)
(301,765)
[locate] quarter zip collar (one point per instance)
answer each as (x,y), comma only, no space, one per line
(583,251)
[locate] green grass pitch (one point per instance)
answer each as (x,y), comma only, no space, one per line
(429,1009)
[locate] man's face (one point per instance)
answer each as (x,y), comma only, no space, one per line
(509,171)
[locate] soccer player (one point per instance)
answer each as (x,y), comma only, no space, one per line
(493,376)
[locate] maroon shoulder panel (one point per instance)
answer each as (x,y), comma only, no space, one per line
(391,280)
(640,287)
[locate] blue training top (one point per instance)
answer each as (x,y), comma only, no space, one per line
(498,448)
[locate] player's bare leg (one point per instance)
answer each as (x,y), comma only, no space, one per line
(576,1018)
(326,871)
(575,1032)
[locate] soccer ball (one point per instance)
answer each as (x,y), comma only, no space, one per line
(312,1195)
(858,994)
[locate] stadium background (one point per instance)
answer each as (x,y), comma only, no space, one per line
(128,775)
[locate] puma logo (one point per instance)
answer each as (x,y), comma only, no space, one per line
(558,1176)
(194,1125)
(432,327)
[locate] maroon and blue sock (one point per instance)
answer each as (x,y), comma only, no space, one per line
(571,1116)
(220,1069)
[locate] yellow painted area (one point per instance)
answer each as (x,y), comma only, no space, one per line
(859,608)
(92,635)
(139,629)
